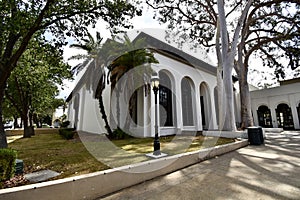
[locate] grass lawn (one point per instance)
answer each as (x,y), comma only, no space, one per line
(51,151)
(81,156)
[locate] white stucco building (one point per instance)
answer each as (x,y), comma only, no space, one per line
(277,107)
(187,97)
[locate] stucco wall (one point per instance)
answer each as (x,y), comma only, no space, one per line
(272,97)
(90,119)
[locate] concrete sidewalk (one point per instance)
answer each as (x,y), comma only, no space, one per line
(270,171)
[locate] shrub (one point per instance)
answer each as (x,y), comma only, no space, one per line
(65,124)
(119,134)
(7,163)
(67,133)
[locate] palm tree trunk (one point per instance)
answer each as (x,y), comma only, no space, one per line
(104,117)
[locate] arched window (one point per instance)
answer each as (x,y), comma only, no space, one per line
(205,105)
(133,107)
(165,100)
(284,116)
(187,102)
(264,117)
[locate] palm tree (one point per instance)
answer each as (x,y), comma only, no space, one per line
(107,56)
(134,55)
(91,47)
(96,54)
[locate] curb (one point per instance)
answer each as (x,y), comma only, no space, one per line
(97,184)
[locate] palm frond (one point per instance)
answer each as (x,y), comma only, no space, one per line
(78,57)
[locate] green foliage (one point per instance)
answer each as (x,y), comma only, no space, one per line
(119,134)
(67,133)
(7,163)
(21,20)
(131,54)
(32,86)
(9,111)
(65,124)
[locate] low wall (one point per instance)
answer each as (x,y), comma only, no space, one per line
(94,185)
(226,134)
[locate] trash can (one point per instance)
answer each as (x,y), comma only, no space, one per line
(255,135)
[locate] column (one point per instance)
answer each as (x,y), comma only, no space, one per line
(178,104)
(294,111)
(274,116)
(198,115)
(213,120)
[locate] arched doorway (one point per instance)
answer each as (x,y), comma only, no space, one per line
(264,117)
(165,100)
(187,102)
(284,116)
(205,105)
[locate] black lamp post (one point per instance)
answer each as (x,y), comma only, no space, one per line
(155,87)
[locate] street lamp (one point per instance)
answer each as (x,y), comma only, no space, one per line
(155,87)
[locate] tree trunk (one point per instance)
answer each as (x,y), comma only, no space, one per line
(246,114)
(229,121)
(16,122)
(40,123)
(225,59)
(220,86)
(118,104)
(3,140)
(31,123)
(104,117)
(27,129)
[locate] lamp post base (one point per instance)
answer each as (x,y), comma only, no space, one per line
(156,146)
(151,155)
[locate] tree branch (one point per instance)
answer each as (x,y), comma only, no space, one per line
(13,60)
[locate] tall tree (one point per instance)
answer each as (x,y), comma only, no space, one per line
(98,54)
(242,27)
(198,20)
(20,20)
(32,84)
(271,32)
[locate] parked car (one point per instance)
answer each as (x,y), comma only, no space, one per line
(8,125)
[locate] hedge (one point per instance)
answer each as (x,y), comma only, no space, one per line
(7,163)
(67,133)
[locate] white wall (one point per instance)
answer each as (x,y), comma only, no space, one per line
(90,119)
(178,71)
(272,97)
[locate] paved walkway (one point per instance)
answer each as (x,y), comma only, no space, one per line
(270,171)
